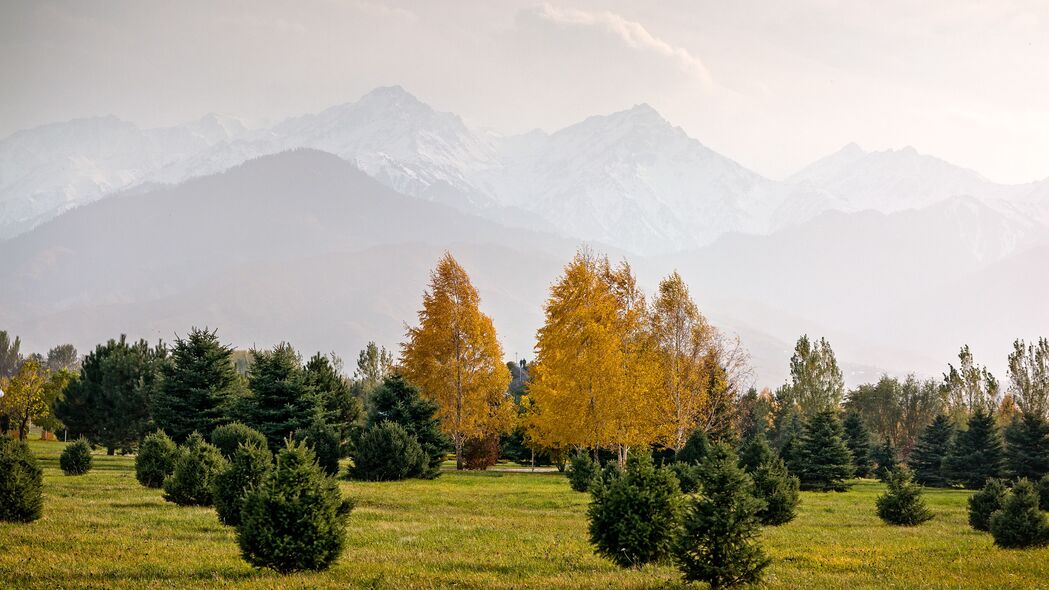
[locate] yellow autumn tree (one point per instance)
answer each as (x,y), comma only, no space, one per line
(684,340)
(456,360)
(23,400)
(593,372)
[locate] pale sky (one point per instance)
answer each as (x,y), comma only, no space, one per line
(769,83)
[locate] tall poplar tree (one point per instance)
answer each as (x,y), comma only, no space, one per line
(456,360)
(816,382)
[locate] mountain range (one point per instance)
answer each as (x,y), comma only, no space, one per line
(320,229)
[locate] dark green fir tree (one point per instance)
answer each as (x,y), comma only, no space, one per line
(926,459)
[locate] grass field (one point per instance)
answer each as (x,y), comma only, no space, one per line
(473,530)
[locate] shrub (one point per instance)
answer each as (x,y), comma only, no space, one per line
(634,519)
(481,453)
(718,542)
(76,458)
(21,482)
(774,485)
(985,502)
(196,464)
(228,437)
(155,460)
(1020,523)
(296,518)
(902,502)
(687,476)
(324,441)
(1043,492)
(386,452)
(581,471)
(247,468)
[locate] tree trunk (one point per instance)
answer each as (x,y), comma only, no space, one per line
(23,429)
(458,452)
(111,451)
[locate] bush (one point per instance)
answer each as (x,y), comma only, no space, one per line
(718,542)
(386,452)
(774,485)
(196,464)
(296,518)
(902,502)
(228,437)
(76,458)
(481,453)
(1043,492)
(582,470)
(634,519)
(21,482)
(687,476)
(247,468)
(155,460)
(985,502)
(1020,523)
(324,441)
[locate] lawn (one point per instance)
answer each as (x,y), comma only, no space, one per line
(473,530)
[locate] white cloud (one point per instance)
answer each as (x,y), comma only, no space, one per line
(632,34)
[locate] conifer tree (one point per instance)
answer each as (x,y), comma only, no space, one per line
(696,448)
(155,459)
(396,400)
(926,460)
(1027,447)
(902,503)
(341,409)
(884,457)
(282,401)
(719,539)
(198,387)
(825,462)
(1043,493)
(986,502)
(248,466)
(76,458)
(196,465)
(387,452)
(21,482)
(773,483)
(858,439)
(976,455)
(791,436)
(582,471)
(454,358)
(1020,523)
(755,452)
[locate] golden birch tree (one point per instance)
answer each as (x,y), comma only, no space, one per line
(453,356)
(23,400)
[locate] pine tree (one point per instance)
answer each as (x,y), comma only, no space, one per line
(294,520)
(1043,493)
(155,459)
(755,452)
(196,464)
(324,440)
(582,471)
(21,482)
(790,434)
(696,448)
(76,458)
(396,400)
(718,543)
(902,503)
(986,502)
(229,437)
(456,360)
(340,407)
(884,457)
(634,518)
(247,468)
(1020,523)
(774,485)
(387,452)
(926,460)
(858,439)
(198,387)
(976,455)
(282,402)
(824,460)
(1027,447)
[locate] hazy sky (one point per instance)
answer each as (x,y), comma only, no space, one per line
(772,84)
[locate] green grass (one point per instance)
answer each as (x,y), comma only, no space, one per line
(473,530)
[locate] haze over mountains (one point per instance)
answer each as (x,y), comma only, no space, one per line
(896,256)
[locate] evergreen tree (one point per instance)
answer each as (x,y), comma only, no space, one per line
(109,402)
(294,520)
(198,387)
(397,400)
(248,466)
(76,458)
(21,482)
(1020,523)
(582,471)
(926,459)
(774,485)
(790,435)
(196,464)
(902,502)
(718,543)
(976,455)
(824,460)
(634,518)
(986,502)
(387,452)
(1027,447)
(282,401)
(858,439)
(229,437)
(696,448)
(884,457)
(1043,493)
(341,408)
(155,460)
(756,452)
(324,440)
